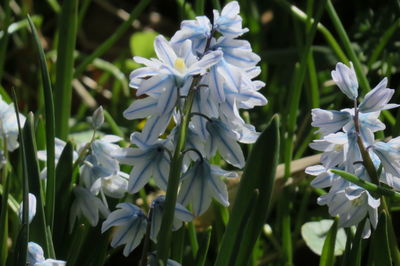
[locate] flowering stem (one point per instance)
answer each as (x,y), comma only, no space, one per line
(369,166)
(164,236)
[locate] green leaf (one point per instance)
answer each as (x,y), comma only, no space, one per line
(204,245)
(38,225)
(380,242)
(4,217)
(328,250)
(64,67)
(63,191)
(355,252)
(50,128)
(258,177)
(314,234)
(23,235)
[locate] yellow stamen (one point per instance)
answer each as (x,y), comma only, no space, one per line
(180,65)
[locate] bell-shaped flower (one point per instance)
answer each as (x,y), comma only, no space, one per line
(130,223)
(378,98)
(201,183)
(87,205)
(181,215)
(329,121)
(97,177)
(346,79)
(229,22)
(36,257)
(223,139)
(149,160)
(9,125)
(31,208)
(389,155)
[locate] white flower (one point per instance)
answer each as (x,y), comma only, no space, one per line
(378,98)
(148,160)
(389,155)
(9,125)
(181,215)
(346,79)
(31,209)
(36,257)
(87,205)
(201,183)
(130,223)
(223,139)
(229,22)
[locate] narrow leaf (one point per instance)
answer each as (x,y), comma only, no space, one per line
(328,250)
(380,242)
(258,175)
(64,67)
(204,245)
(38,226)
(50,128)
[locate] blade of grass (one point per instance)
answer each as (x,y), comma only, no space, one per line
(105,46)
(328,250)
(39,227)
(23,235)
(64,68)
(355,252)
(50,129)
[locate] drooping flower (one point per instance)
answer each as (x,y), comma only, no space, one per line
(201,183)
(87,205)
(181,215)
(130,223)
(149,160)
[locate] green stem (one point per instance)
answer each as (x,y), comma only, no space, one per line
(164,236)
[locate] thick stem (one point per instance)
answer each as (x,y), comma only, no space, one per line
(146,244)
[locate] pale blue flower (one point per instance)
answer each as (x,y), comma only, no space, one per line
(149,160)
(389,155)
(378,98)
(201,183)
(87,205)
(324,178)
(181,215)
(329,121)
(36,257)
(130,223)
(9,125)
(31,209)
(346,79)
(229,22)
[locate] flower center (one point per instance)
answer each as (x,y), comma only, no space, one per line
(180,65)
(338,147)
(357,202)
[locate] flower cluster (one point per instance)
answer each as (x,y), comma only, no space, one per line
(203,74)
(347,139)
